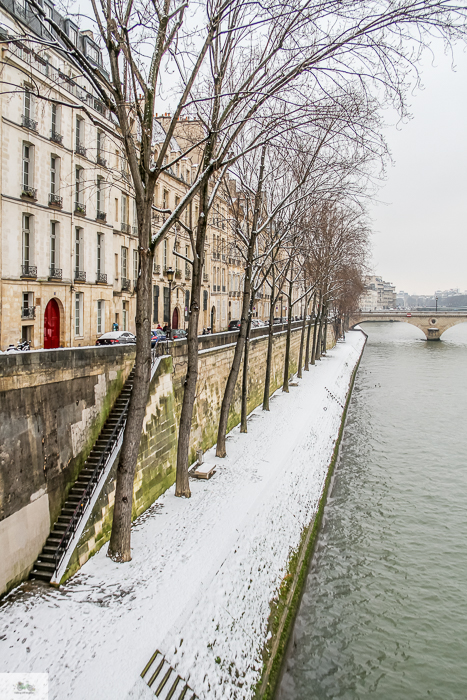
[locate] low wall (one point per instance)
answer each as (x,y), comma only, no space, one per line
(52,407)
(156,466)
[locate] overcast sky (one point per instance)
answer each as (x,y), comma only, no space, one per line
(420,235)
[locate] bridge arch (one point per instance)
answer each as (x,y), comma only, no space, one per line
(433,325)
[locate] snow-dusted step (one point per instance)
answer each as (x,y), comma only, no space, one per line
(164,681)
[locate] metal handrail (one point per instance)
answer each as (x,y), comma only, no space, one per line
(90,488)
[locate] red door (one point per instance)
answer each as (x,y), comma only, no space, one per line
(52,325)
(175,319)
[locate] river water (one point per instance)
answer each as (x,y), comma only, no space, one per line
(384,611)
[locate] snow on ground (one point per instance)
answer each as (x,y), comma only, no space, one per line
(204,570)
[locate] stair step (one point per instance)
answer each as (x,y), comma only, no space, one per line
(41,576)
(46,557)
(47,549)
(45,566)
(164,680)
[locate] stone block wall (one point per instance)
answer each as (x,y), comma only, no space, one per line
(52,407)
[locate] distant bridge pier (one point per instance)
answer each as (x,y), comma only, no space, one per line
(432,325)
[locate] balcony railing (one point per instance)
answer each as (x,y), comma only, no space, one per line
(101,278)
(28,271)
(28,312)
(55,200)
(126,285)
(29,192)
(101,215)
(28,123)
(126,228)
(80,150)
(56,138)
(80,209)
(80,276)
(101,161)
(157,269)
(55,273)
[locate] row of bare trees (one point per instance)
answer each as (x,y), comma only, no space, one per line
(286,99)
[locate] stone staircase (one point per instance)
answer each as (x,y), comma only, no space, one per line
(79,496)
(164,681)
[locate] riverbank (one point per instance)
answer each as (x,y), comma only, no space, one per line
(204,571)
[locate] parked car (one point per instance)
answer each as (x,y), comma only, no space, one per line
(178,333)
(157,335)
(257,323)
(119,337)
(234,325)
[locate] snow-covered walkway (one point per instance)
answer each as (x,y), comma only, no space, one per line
(204,570)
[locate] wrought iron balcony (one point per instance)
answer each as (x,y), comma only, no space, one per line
(101,161)
(29,271)
(55,200)
(126,285)
(80,149)
(101,215)
(28,312)
(101,278)
(29,192)
(126,228)
(80,276)
(55,273)
(55,137)
(28,123)
(80,209)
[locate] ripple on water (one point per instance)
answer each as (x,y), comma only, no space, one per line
(384,611)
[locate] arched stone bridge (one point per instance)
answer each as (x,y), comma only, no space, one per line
(433,324)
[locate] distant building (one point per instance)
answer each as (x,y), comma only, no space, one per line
(378,294)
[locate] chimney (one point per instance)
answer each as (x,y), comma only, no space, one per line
(88,33)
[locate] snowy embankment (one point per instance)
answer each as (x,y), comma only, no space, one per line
(204,570)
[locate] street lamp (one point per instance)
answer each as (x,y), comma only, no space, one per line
(170,277)
(436,305)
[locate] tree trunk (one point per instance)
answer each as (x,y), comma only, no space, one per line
(182,486)
(302,342)
(120,539)
(315,333)
(325,337)
(308,336)
(246,355)
(235,369)
(320,335)
(267,378)
(285,385)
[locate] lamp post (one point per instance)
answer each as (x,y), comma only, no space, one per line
(436,305)
(170,278)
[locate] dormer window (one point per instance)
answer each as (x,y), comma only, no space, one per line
(92,53)
(72,31)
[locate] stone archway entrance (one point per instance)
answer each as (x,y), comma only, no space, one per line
(52,325)
(175,319)
(213,318)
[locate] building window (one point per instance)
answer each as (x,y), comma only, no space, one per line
(55,119)
(79,250)
(223,280)
(79,134)
(78,314)
(28,103)
(187,304)
(166,304)
(54,246)
(205,300)
(165,199)
(124,209)
(165,253)
(27,240)
(125,316)
(155,303)
(100,255)
(27,166)
(187,265)
(124,262)
(100,316)
(78,186)
(54,174)
(99,196)
(135,267)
